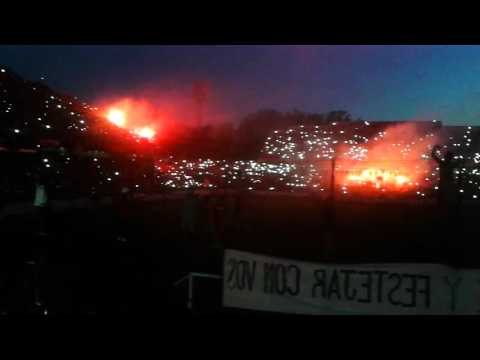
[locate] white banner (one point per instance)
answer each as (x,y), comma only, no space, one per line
(259,282)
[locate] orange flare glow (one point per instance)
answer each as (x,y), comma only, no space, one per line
(116,117)
(145,132)
(378,178)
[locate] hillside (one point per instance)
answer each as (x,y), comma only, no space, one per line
(32,114)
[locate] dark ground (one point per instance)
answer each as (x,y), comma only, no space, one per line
(88,270)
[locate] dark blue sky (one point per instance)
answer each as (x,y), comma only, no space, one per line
(374,82)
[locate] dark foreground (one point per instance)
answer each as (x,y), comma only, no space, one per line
(84,268)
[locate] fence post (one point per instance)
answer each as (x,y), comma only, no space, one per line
(328,234)
(332,180)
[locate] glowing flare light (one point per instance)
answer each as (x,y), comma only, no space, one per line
(145,132)
(379,178)
(117,117)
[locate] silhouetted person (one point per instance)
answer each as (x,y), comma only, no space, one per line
(40,245)
(448,202)
(447,189)
(40,203)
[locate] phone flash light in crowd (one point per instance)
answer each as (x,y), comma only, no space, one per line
(16,131)
(117,173)
(45,160)
(47,126)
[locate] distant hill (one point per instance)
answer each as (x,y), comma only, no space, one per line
(34,116)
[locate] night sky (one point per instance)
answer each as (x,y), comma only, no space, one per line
(372,82)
